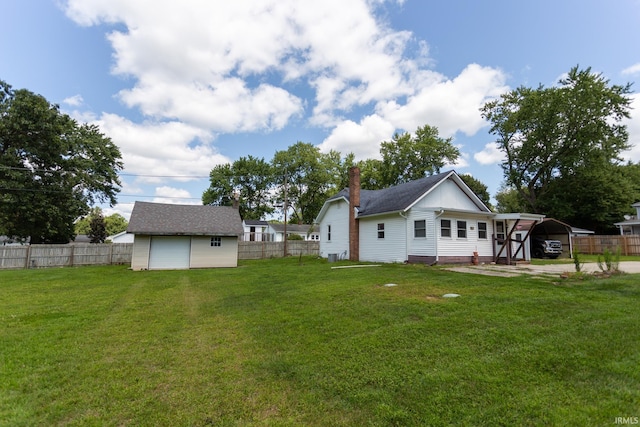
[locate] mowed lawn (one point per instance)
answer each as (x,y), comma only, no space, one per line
(296,343)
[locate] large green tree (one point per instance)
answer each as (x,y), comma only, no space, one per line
(409,157)
(556,139)
(479,188)
(52,169)
(309,177)
(249,179)
(114,223)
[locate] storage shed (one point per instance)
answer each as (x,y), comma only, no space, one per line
(168,236)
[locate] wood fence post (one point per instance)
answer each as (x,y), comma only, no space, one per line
(27,258)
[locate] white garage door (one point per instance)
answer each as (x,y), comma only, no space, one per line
(169,252)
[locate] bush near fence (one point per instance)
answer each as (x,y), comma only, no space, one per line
(40,256)
(595,245)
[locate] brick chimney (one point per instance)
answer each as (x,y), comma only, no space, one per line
(354,202)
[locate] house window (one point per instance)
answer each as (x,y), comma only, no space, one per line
(216,241)
(420,228)
(328,233)
(482,230)
(445,228)
(381,231)
(500,231)
(462,229)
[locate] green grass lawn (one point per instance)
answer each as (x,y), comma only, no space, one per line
(280,343)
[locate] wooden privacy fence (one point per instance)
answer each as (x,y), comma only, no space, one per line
(261,250)
(628,245)
(37,256)
(40,256)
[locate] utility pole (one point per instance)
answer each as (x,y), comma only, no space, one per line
(285,214)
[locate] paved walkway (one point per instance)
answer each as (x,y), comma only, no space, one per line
(549,269)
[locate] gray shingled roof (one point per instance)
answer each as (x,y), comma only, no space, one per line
(191,220)
(393,199)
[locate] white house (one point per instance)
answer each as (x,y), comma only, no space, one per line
(305,231)
(433,219)
(631,224)
(122,237)
(256,231)
(184,236)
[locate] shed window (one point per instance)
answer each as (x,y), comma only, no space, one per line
(420,228)
(381,230)
(462,229)
(482,230)
(216,241)
(445,227)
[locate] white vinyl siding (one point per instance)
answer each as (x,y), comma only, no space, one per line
(447,195)
(391,248)
(421,246)
(337,216)
(169,252)
(203,255)
(140,255)
(465,246)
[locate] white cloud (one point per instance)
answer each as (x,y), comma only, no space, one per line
(452,105)
(73,101)
(201,68)
(230,66)
(166,191)
(634,69)
(491,154)
(362,139)
(633,126)
(162,148)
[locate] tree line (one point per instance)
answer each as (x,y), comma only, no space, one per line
(562,149)
(52,168)
(309,177)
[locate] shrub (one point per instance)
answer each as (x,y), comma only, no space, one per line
(609,263)
(576,260)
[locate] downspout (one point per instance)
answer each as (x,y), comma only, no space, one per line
(436,226)
(406,237)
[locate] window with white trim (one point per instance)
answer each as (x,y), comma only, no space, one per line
(445,228)
(381,230)
(462,229)
(482,230)
(216,241)
(419,228)
(329,233)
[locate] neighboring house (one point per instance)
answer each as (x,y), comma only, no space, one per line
(184,236)
(80,238)
(13,241)
(305,231)
(256,231)
(433,219)
(630,225)
(122,237)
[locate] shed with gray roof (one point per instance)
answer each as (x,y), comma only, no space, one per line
(168,236)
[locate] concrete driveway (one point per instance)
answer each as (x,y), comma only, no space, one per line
(550,269)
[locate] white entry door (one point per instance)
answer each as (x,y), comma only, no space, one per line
(169,252)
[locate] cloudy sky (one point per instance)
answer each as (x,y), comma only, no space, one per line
(184,86)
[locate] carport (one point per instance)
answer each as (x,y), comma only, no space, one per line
(552,229)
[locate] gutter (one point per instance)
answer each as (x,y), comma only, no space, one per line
(406,236)
(438,215)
